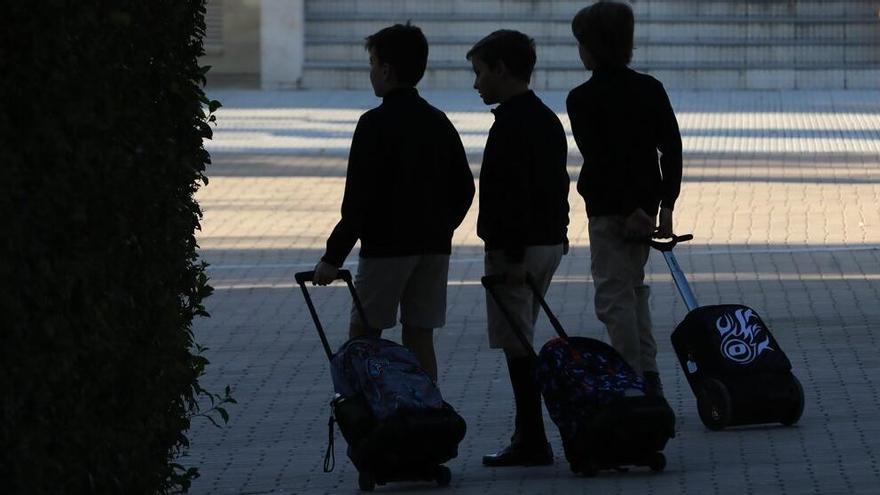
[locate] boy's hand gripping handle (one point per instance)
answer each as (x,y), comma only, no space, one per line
(684,288)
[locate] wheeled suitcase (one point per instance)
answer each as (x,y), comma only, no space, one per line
(396,430)
(734,366)
(595,399)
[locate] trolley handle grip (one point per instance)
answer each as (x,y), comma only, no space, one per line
(303,277)
(665,246)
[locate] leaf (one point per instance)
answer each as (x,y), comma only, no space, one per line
(223,414)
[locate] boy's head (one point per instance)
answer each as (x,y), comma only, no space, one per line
(604,32)
(398,57)
(502,60)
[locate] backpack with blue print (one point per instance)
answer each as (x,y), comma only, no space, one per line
(387,376)
(578,376)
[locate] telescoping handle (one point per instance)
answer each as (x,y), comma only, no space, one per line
(681,283)
(490,282)
(303,277)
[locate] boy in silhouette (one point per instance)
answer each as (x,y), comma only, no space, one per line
(523,220)
(621,119)
(407,188)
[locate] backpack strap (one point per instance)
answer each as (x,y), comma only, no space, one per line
(330,455)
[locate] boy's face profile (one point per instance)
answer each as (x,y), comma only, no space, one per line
(488,81)
(379,75)
(586,58)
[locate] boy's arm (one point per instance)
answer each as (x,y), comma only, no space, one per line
(517,195)
(462,186)
(669,144)
(355,198)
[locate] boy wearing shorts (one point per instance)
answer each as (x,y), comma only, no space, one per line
(523,220)
(408,187)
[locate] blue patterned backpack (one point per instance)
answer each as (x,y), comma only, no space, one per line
(386,375)
(579,375)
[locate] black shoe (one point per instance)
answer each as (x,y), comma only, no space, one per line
(520,454)
(653,385)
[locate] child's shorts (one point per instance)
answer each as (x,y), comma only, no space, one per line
(414,284)
(541,263)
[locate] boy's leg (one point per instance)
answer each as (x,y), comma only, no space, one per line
(653,384)
(647,344)
(615,268)
(421,342)
(529,444)
(379,283)
(423,308)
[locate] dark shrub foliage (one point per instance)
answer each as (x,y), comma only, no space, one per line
(101,128)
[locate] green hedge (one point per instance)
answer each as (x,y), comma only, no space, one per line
(101,125)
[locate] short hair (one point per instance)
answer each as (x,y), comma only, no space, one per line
(404,48)
(605,29)
(515,49)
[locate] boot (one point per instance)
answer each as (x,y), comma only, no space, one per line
(528,445)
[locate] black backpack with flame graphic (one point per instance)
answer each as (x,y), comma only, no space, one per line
(727,339)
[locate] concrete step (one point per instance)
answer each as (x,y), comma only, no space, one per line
(750,52)
(824,8)
(673,75)
(671,28)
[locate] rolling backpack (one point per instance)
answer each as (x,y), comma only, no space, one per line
(735,367)
(595,398)
(389,410)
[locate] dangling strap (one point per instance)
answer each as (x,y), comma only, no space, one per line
(330,455)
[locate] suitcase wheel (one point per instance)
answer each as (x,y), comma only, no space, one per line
(797,406)
(657,462)
(366,481)
(443,476)
(714,404)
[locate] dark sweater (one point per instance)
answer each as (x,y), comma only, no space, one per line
(523,181)
(408,184)
(620,120)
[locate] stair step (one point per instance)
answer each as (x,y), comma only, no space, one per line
(673,30)
(566,65)
(765,53)
(395,16)
(641,8)
(336,39)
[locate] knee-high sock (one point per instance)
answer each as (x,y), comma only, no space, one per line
(527,398)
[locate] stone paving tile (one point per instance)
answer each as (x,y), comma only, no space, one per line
(794,234)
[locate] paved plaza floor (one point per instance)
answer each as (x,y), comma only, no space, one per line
(781,191)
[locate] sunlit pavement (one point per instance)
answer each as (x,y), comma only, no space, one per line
(781,193)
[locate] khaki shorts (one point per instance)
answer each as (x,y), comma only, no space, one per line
(541,262)
(414,284)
